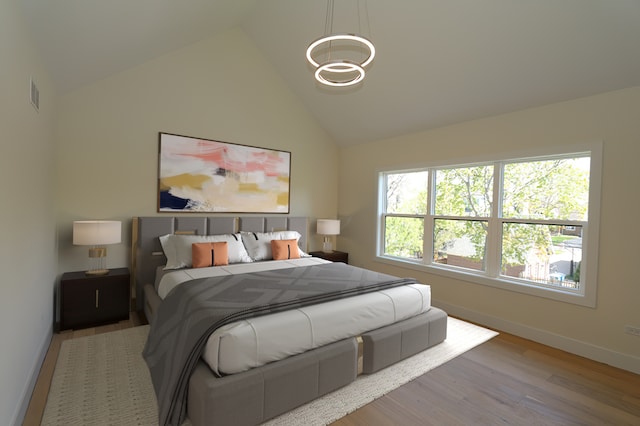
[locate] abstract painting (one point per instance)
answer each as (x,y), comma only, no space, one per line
(201,175)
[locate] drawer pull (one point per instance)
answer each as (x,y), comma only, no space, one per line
(97,297)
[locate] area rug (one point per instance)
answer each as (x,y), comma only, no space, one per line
(103,380)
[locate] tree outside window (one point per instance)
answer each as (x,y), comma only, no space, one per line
(533,211)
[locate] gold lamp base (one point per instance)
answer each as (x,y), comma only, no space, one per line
(327,246)
(97,257)
(96,252)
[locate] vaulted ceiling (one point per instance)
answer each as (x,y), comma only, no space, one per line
(438,62)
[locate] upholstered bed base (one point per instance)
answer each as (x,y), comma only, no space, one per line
(254,396)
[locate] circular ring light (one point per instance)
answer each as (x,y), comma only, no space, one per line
(352,37)
(339,67)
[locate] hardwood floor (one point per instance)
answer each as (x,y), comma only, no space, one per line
(508,380)
(511,381)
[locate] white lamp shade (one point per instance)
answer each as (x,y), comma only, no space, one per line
(97,232)
(328,227)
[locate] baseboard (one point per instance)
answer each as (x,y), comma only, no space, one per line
(567,344)
(21,411)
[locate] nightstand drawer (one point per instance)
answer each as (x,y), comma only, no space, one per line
(87,300)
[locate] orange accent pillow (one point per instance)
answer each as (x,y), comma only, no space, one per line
(210,254)
(285,249)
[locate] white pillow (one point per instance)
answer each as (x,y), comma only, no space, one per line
(177,248)
(258,244)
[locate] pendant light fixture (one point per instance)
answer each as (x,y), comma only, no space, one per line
(335,71)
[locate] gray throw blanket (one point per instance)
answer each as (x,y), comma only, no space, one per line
(194,310)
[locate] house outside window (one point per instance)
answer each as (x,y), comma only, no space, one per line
(517,223)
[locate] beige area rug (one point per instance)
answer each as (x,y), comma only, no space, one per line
(103,380)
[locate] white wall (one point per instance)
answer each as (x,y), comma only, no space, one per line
(220,88)
(104,165)
(27,248)
(611,118)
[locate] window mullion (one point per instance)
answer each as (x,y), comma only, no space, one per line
(428,220)
(494,234)
(382,208)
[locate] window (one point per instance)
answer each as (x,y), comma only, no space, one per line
(521,223)
(406,201)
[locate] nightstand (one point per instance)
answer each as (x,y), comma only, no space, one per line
(89,300)
(335,256)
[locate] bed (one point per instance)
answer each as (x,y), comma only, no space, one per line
(251,370)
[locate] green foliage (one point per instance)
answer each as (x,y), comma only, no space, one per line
(404,237)
(549,189)
(464,191)
(407,193)
(518,239)
(576,273)
(552,189)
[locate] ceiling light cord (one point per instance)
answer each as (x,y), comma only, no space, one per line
(341,72)
(328,25)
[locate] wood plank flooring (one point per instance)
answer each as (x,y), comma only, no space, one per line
(508,381)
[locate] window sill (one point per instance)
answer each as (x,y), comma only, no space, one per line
(518,286)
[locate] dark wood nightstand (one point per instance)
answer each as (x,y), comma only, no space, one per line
(335,256)
(89,300)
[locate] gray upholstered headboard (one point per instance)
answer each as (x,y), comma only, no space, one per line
(146,251)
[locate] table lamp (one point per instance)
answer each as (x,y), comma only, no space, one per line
(97,233)
(327,228)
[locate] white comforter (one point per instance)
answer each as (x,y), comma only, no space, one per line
(257,341)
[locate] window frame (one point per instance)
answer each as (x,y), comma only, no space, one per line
(585,295)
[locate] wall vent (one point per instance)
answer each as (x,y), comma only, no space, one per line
(35,95)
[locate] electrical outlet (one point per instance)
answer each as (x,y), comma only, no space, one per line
(634,331)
